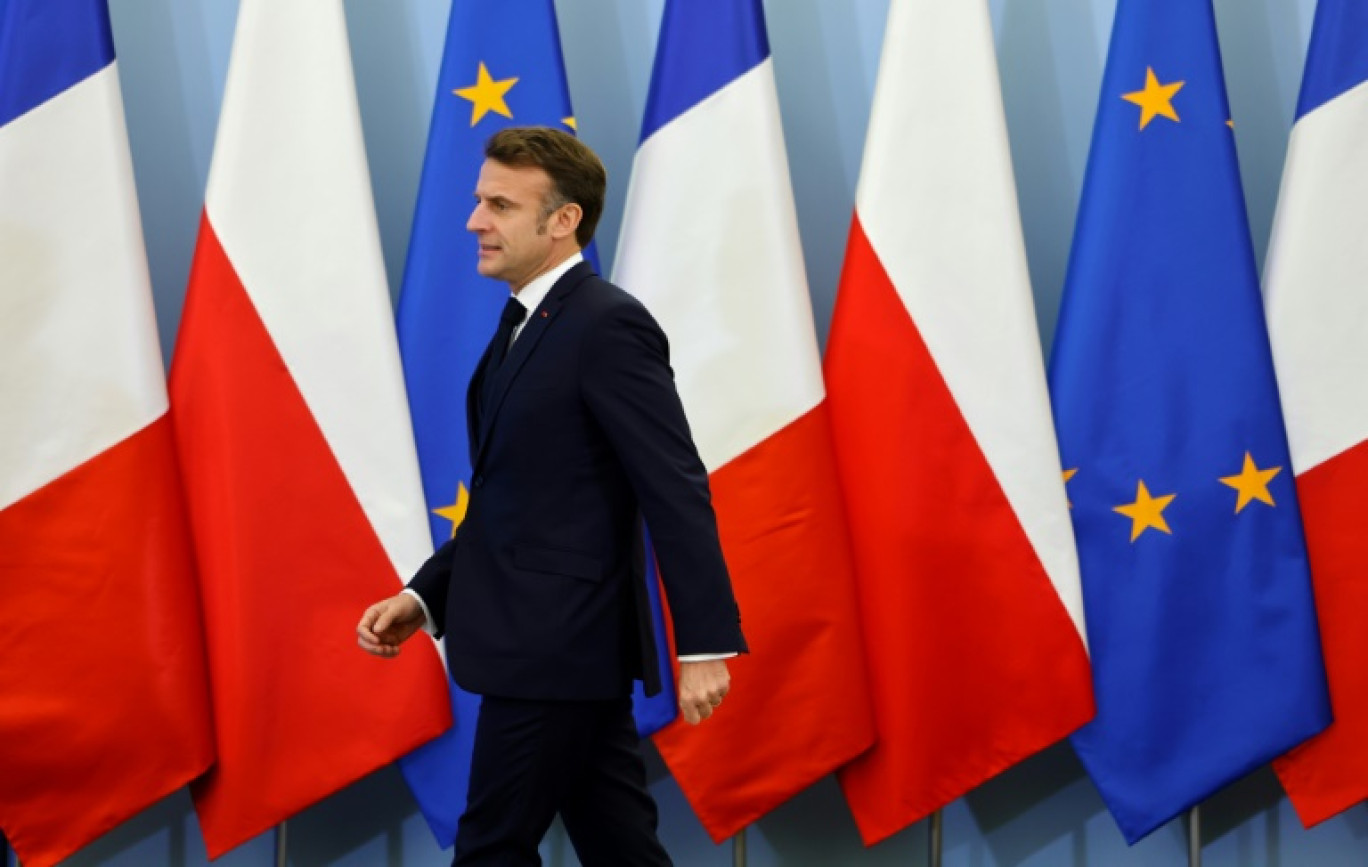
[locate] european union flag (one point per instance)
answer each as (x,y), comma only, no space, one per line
(501,67)
(1206,657)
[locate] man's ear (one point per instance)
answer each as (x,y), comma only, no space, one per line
(566,220)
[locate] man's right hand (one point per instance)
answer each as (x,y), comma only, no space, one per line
(388,624)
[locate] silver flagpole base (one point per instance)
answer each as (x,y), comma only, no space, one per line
(1194,829)
(739,849)
(282,834)
(934,843)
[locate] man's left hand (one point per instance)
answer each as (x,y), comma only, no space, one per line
(702,686)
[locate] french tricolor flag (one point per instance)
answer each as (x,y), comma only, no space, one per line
(294,436)
(969,578)
(103,700)
(1316,295)
(710,244)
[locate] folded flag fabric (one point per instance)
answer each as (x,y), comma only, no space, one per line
(1206,656)
(294,436)
(972,610)
(710,245)
(104,704)
(1316,294)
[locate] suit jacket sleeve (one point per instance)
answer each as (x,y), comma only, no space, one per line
(629,388)
(432,582)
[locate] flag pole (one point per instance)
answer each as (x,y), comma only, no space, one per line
(739,849)
(1194,828)
(282,835)
(933,840)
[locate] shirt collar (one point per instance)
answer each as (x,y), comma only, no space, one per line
(535,292)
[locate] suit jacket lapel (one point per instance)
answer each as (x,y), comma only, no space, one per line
(537,322)
(473,390)
(473,408)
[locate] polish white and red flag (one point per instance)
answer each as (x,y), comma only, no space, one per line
(710,244)
(1316,293)
(294,437)
(969,582)
(103,697)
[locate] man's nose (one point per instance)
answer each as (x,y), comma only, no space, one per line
(477,221)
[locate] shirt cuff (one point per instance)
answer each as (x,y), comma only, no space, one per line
(428,625)
(702,657)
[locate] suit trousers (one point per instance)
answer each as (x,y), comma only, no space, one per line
(533,759)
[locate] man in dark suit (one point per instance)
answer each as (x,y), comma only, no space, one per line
(576,433)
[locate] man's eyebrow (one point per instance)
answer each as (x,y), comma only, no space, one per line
(494,199)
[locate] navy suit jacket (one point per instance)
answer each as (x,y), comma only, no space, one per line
(541,593)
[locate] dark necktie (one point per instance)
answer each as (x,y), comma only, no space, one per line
(513,313)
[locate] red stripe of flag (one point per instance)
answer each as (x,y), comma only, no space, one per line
(104,707)
(799,704)
(1329,773)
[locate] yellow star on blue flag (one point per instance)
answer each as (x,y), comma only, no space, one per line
(486,95)
(1147,512)
(1251,483)
(1155,99)
(455,512)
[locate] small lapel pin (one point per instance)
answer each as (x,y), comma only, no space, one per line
(545,315)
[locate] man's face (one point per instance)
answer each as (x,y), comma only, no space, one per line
(509,222)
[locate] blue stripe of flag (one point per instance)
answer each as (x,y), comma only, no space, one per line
(703,46)
(46,46)
(1338,57)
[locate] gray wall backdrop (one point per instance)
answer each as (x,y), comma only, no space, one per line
(173,56)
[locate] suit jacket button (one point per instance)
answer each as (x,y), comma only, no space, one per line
(477,482)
